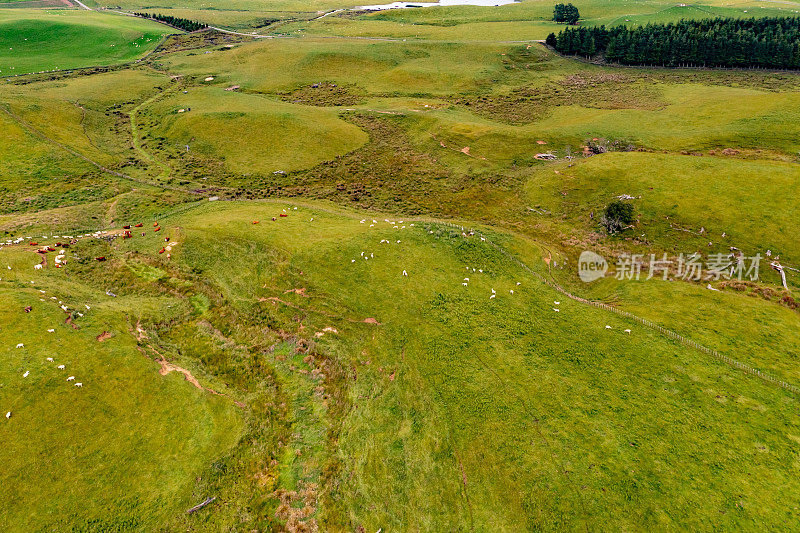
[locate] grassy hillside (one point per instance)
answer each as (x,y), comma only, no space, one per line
(118,452)
(483,400)
(36,40)
(323,370)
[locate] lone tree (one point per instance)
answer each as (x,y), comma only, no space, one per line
(617,216)
(566,13)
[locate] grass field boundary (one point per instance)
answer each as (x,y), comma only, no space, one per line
(765,377)
(643,321)
(33,131)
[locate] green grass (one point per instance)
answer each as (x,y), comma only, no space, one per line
(43,40)
(121,451)
(487,391)
(520,417)
(280,136)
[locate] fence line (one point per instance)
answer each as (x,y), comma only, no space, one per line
(669,333)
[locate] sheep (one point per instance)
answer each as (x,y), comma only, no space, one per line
(556,310)
(493,291)
(556,303)
(492,296)
(61,367)
(25,375)
(20,345)
(8,414)
(608,327)
(464,283)
(79,384)
(511,291)
(405,273)
(71,378)
(628,331)
(37,267)
(50,359)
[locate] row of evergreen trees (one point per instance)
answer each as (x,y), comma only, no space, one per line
(721,42)
(177,22)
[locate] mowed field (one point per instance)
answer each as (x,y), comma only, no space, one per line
(328,346)
(34,40)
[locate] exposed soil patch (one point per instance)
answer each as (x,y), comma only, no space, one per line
(167,367)
(103,336)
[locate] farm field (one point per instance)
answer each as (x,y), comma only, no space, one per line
(327,278)
(34,40)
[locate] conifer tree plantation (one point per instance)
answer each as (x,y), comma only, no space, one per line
(722,42)
(293,266)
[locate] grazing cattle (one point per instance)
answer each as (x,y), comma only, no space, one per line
(166,239)
(274,219)
(51,249)
(157,229)
(155,224)
(283,215)
(139,225)
(126,227)
(101,258)
(255,222)
(28,309)
(33,243)
(161,251)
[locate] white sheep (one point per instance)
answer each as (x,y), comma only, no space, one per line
(79,384)
(20,345)
(405,273)
(628,331)
(8,414)
(61,367)
(556,310)
(25,375)
(71,378)
(50,359)
(608,327)
(37,267)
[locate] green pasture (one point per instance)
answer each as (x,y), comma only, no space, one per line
(121,451)
(483,400)
(33,40)
(279,136)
